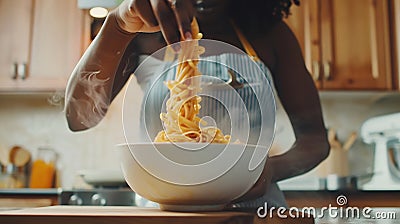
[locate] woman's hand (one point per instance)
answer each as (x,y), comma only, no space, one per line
(171,17)
(260,187)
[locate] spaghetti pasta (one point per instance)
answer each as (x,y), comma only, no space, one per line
(181,121)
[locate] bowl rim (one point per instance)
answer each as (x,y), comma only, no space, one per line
(189,143)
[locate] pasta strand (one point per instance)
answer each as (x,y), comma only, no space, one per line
(181,121)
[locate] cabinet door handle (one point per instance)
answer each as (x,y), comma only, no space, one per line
(327,70)
(15,70)
(374,40)
(22,71)
(315,70)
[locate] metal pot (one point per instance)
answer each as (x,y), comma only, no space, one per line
(103,177)
(335,182)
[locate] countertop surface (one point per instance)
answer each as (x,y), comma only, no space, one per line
(131,214)
(119,214)
(128,214)
(352,215)
(56,191)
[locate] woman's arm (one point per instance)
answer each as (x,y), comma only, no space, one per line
(90,86)
(101,72)
(300,99)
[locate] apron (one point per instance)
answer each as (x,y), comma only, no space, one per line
(152,80)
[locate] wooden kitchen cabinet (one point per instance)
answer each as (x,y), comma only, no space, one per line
(15,25)
(395,27)
(44,38)
(346,44)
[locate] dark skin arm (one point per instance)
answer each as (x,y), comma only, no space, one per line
(299,97)
(101,72)
(102,59)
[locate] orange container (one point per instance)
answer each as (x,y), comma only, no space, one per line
(43,169)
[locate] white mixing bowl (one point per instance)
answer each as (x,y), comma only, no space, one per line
(193,181)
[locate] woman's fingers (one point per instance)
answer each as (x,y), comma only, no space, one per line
(135,19)
(256,191)
(144,10)
(166,20)
(260,187)
(172,17)
(183,11)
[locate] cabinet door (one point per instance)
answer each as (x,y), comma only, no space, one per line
(346,43)
(56,44)
(395,18)
(304,22)
(15,25)
(355,50)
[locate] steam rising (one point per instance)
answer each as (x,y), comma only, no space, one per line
(92,105)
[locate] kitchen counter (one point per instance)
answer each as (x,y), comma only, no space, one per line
(359,198)
(28,197)
(372,216)
(128,214)
(115,214)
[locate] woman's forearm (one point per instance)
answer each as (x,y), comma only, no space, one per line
(88,93)
(305,154)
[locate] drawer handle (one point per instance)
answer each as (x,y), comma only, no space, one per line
(15,71)
(315,70)
(22,71)
(327,70)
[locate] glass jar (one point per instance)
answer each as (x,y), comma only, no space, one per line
(12,176)
(43,169)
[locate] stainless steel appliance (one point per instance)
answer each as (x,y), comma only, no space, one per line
(384,132)
(108,188)
(104,196)
(98,196)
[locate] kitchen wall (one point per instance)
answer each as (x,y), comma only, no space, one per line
(346,112)
(31,121)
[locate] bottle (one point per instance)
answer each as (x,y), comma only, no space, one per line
(43,169)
